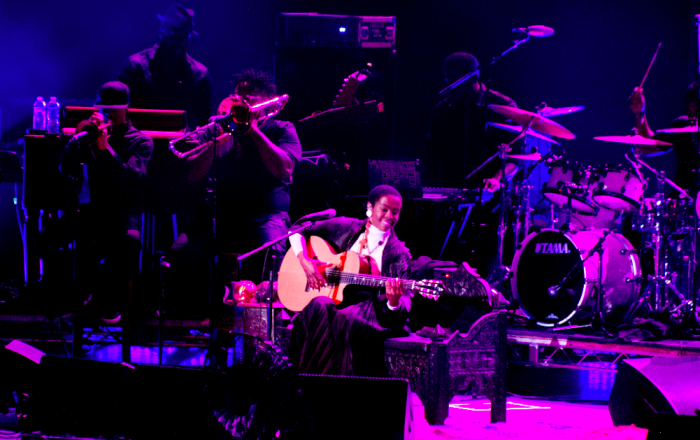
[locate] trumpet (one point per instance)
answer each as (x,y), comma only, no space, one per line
(88,131)
(242,113)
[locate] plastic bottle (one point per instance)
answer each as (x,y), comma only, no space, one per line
(39,120)
(53,116)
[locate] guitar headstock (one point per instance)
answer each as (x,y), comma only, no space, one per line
(429,288)
(346,94)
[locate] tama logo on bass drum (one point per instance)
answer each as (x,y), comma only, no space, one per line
(552,248)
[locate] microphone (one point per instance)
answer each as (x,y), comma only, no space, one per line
(315,216)
(538,31)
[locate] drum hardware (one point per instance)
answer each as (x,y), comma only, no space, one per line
(689,129)
(597,320)
(533,120)
(647,147)
(517,129)
(526,120)
(503,151)
(661,281)
(549,112)
(568,186)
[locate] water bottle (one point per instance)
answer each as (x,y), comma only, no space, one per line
(53,116)
(39,121)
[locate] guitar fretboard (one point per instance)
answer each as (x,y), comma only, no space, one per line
(337,276)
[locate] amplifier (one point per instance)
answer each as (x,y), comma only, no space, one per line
(404,175)
(311,29)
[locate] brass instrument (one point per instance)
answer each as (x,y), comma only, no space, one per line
(242,112)
(239,118)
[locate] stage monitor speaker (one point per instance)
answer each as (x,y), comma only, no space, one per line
(345,407)
(89,398)
(660,394)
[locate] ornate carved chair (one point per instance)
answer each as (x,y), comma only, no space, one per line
(461,362)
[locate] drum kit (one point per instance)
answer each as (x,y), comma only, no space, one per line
(558,271)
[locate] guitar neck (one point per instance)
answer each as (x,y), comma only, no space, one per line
(365,280)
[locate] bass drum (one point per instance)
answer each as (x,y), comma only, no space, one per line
(547,257)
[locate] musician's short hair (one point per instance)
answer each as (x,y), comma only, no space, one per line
(459,64)
(257,79)
(380,191)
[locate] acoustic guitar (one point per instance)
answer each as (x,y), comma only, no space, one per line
(346,268)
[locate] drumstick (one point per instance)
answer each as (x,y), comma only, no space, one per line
(650,64)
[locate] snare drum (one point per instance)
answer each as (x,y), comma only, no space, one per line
(618,189)
(570,181)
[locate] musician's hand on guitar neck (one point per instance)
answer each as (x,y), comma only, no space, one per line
(314,271)
(393,291)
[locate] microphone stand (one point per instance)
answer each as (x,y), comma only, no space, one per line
(271,274)
(503,150)
(597,321)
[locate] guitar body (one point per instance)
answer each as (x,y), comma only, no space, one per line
(292,285)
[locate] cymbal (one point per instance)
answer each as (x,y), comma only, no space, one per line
(688,129)
(518,129)
(549,112)
(531,156)
(647,147)
(539,123)
(634,140)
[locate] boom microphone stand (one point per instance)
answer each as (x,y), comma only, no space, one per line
(535,31)
(266,246)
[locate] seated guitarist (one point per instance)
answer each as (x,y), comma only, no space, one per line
(348,338)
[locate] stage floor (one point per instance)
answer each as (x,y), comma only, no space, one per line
(525,419)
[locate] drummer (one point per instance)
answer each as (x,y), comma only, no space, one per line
(683,145)
(457,142)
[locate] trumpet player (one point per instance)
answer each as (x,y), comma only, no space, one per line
(107,164)
(253,176)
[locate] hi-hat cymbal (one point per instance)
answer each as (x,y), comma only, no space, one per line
(531,156)
(688,129)
(647,146)
(539,123)
(549,112)
(518,129)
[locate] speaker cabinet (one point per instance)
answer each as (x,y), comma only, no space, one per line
(344,407)
(660,394)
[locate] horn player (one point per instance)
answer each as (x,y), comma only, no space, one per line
(253,177)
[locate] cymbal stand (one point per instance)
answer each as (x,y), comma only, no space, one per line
(659,299)
(522,227)
(503,150)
